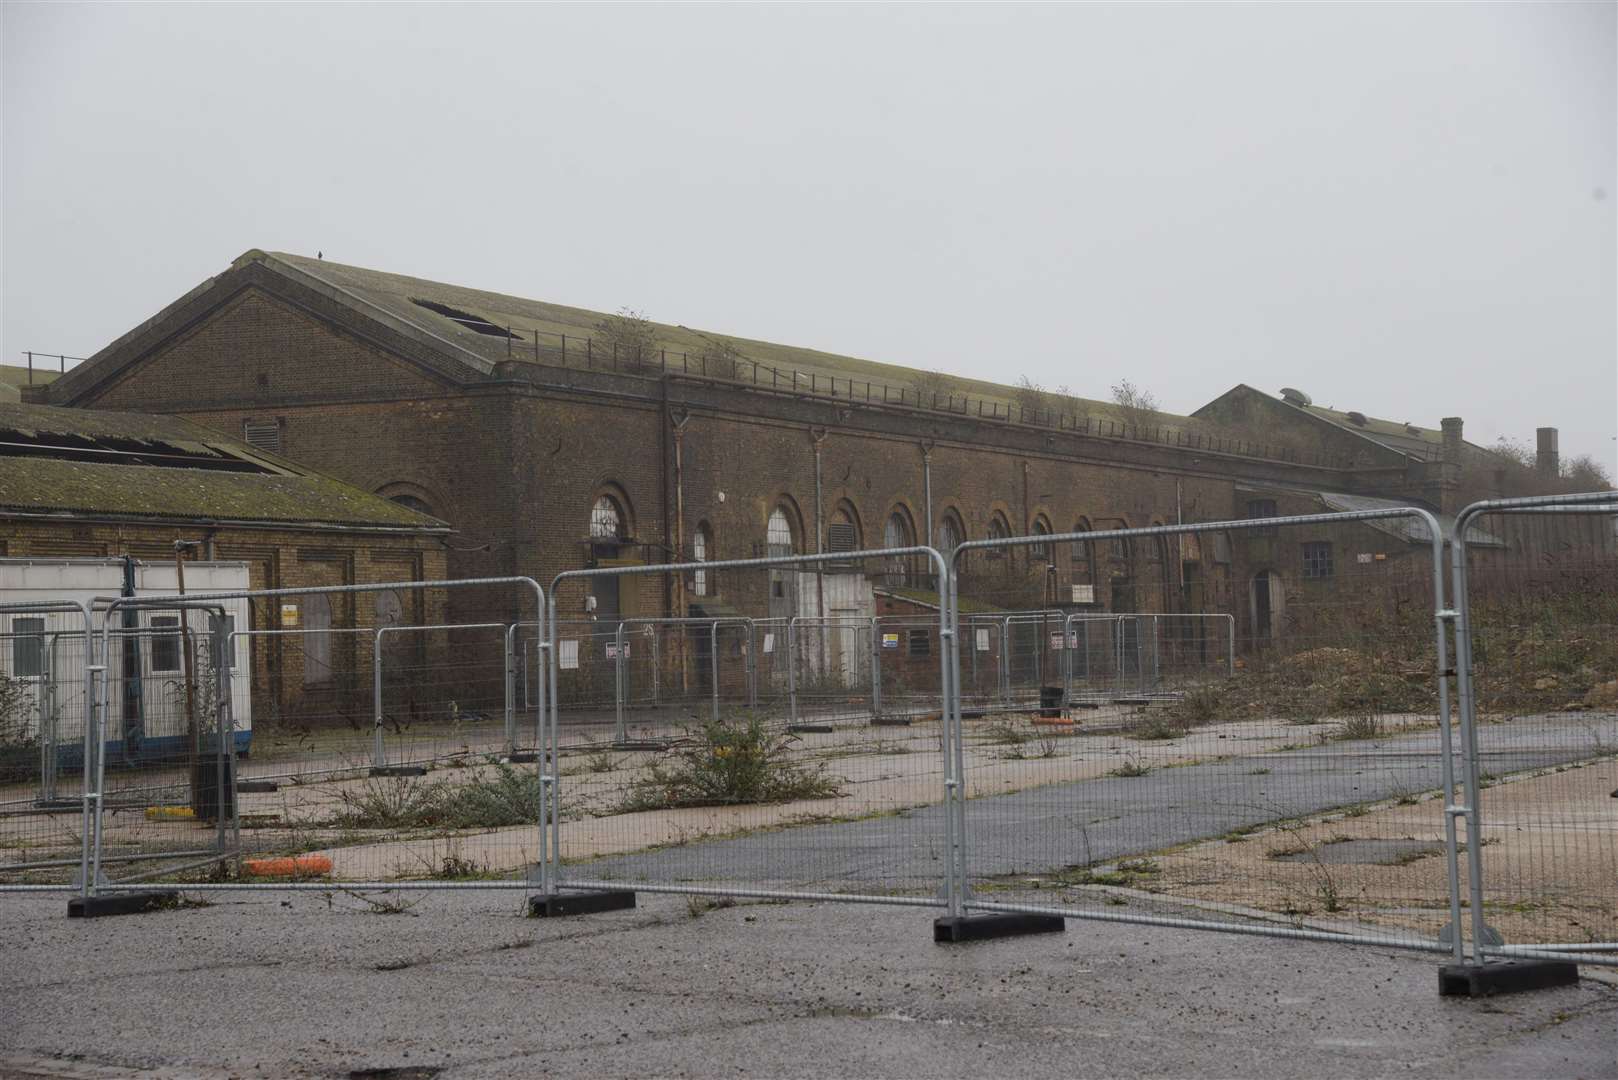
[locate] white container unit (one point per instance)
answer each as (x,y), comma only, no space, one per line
(145,689)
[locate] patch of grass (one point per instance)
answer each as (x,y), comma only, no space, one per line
(389,904)
(1258,772)
(1367,726)
(1003,733)
(1158,726)
(599,759)
(1132,766)
(500,795)
(698,906)
(729,762)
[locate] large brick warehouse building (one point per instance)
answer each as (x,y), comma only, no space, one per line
(553,438)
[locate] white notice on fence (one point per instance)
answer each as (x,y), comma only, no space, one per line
(570,654)
(983,641)
(769,643)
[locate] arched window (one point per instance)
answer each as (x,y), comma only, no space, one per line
(701,543)
(897,532)
(998,530)
(1041,550)
(843,530)
(778,534)
(951,534)
(1083,554)
(781,538)
(607,519)
(410,502)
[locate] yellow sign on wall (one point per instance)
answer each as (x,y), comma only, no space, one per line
(289,616)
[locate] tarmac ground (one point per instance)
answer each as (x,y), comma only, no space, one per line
(462,985)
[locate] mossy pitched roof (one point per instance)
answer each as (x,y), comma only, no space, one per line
(274,492)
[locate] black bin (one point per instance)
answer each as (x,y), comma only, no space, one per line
(1050,702)
(209,796)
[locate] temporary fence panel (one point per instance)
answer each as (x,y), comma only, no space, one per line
(441,694)
(1112,656)
(840,802)
(1303,794)
(168,740)
(454,803)
(44,665)
(1537,645)
(832,661)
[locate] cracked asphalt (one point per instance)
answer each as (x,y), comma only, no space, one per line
(464,986)
(1042,829)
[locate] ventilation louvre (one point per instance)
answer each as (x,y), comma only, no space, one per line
(262,435)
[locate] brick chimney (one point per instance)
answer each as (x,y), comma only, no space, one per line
(1442,490)
(1452,439)
(1547,458)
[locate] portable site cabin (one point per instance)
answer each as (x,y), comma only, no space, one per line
(43,655)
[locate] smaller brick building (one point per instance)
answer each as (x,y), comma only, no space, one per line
(77,484)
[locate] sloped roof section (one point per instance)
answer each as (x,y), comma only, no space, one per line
(479,321)
(1421,442)
(93,464)
(1409,529)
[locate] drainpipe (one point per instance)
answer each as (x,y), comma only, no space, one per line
(927,487)
(678,431)
(819,437)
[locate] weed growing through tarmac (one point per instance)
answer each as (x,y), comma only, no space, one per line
(698,906)
(1366,726)
(500,795)
(1132,766)
(728,762)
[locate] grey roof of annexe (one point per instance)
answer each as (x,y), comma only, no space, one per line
(121,486)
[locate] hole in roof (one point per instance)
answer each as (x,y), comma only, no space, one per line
(466,319)
(112,450)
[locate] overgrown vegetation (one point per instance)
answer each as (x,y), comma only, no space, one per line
(19,745)
(1138,408)
(631,336)
(731,761)
(499,796)
(1132,766)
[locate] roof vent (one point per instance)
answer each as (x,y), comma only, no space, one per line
(1412,429)
(1356,418)
(1295,397)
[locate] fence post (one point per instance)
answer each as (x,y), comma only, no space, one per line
(376,698)
(792,671)
(511,690)
(876,669)
(622,734)
(713,660)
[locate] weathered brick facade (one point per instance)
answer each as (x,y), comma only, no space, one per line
(514,453)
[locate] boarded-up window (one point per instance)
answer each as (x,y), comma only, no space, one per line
(316,640)
(840,536)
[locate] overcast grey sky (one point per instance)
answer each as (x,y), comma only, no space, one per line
(1406,210)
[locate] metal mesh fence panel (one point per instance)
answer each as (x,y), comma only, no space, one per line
(308,776)
(802,786)
(444,696)
(168,739)
(1289,779)
(1540,597)
(43,696)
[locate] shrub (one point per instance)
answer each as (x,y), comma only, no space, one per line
(729,762)
(488,800)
